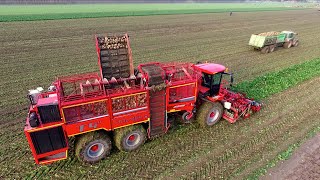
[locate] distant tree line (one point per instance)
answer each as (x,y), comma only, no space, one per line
(124,1)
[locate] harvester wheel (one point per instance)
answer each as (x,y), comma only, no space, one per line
(296,43)
(209,114)
(265,50)
(92,147)
(287,45)
(129,138)
(272,48)
(186,118)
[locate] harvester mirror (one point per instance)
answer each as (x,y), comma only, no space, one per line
(52,88)
(33,120)
(231,79)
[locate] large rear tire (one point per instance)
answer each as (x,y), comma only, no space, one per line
(129,138)
(209,114)
(92,147)
(287,45)
(265,50)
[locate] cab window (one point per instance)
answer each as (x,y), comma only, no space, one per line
(216,79)
(206,80)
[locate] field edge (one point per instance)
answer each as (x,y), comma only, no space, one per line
(282,156)
(60,16)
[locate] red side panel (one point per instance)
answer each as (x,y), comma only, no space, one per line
(87,125)
(182,97)
(140,115)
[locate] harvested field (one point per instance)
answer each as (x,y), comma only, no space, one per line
(33,53)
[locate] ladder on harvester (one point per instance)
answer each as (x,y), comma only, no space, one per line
(158,114)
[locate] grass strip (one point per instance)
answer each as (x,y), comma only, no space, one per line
(284,155)
(57,16)
(274,82)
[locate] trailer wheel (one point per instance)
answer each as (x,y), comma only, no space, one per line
(92,147)
(129,138)
(272,48)
(265,50)
(209,114)
(287,45)
(296,43)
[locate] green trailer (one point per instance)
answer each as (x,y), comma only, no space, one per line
(269,41)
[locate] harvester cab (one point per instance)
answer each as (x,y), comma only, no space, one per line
(212,78)
(213,90)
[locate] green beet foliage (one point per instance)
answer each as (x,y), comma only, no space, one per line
(274,82)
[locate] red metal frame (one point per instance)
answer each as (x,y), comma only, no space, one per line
(40,158)
(241,106)
(113,115)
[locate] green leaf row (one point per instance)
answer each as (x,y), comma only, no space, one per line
(274,82)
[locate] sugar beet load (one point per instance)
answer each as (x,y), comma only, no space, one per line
(122,106)
(268,42)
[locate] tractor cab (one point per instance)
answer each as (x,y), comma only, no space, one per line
(289,35)
(212,75)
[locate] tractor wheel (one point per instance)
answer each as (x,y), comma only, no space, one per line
(265,50)
(272,48)
(296,43)
(287,45)
(92,147)
(129,138)
(209,114)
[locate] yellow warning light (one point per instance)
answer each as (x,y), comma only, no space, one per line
(227,70)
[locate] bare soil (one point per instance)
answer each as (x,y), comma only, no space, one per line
(303,164)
